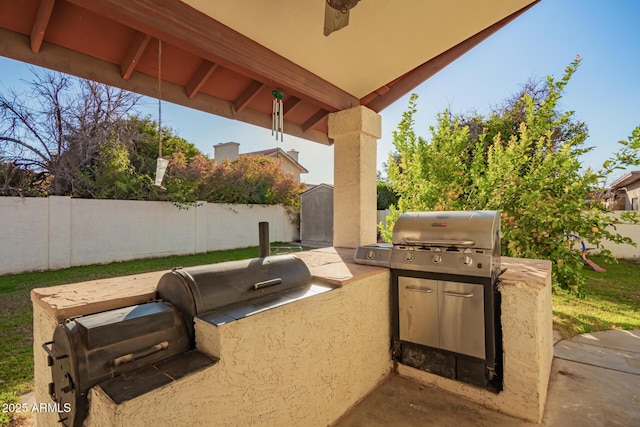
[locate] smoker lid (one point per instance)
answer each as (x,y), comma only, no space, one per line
(201,289)
(476,229)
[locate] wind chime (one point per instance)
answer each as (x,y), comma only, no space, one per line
(277,119)
(161,163)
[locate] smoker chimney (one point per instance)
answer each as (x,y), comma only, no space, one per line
(263,236)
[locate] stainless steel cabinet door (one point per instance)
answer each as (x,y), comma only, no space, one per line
(461,326)
(418,310)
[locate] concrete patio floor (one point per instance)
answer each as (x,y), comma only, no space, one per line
(595,381)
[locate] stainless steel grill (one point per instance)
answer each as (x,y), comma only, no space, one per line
(446,306)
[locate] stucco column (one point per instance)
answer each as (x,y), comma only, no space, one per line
(355,132)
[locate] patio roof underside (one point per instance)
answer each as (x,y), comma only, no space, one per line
(226,57)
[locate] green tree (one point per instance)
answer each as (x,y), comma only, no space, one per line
(247,180)
(534,177)
(385,196)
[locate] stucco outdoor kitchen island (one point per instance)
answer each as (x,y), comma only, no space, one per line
(303,363)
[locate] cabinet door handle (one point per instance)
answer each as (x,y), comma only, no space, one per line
(416,289)
(456,294)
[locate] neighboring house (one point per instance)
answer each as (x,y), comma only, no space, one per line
(288,159)
(316,215)
(626,191)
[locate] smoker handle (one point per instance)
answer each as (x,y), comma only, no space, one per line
(139,355)
(52,355)
(415,289)
(456,294)
(440,242)
(267,283)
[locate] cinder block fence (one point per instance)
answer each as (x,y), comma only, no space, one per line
(59,232)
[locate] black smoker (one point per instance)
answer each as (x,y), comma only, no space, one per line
(132,350)
(445,303)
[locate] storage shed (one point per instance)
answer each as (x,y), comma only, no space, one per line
(316,215)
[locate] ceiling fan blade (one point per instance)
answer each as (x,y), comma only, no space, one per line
(334,19)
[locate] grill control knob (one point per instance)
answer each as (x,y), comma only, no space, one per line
(466,260)
(371,255)
(437,259)
(409,257)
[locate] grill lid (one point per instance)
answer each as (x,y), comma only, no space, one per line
(459,229)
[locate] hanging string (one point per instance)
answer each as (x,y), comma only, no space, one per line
(161,163)
(159,98)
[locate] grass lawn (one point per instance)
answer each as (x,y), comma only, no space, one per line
(612,302)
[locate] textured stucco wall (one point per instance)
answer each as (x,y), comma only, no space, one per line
(527,340)
(59,232)
(302,364)
(43,327)
(355,132)
(288,167)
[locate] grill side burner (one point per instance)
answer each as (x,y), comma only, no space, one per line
(445,303)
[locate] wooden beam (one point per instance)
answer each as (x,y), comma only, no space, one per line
(136,49)
(40,24)
(376,93)
(249,93)
(378,102)
(182,26)
(16,46)
(290,105)
(200,77)
(314,120)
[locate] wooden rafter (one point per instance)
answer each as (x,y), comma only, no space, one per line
(314,120)
(136,49)
(181,25)
(247,95)
(16,46)
(376,93)
(200,77)
(40,24)
(290,105)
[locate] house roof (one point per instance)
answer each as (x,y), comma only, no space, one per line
(277,152)
(227,56)
(626,180)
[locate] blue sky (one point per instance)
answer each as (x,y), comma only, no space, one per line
(604,92)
